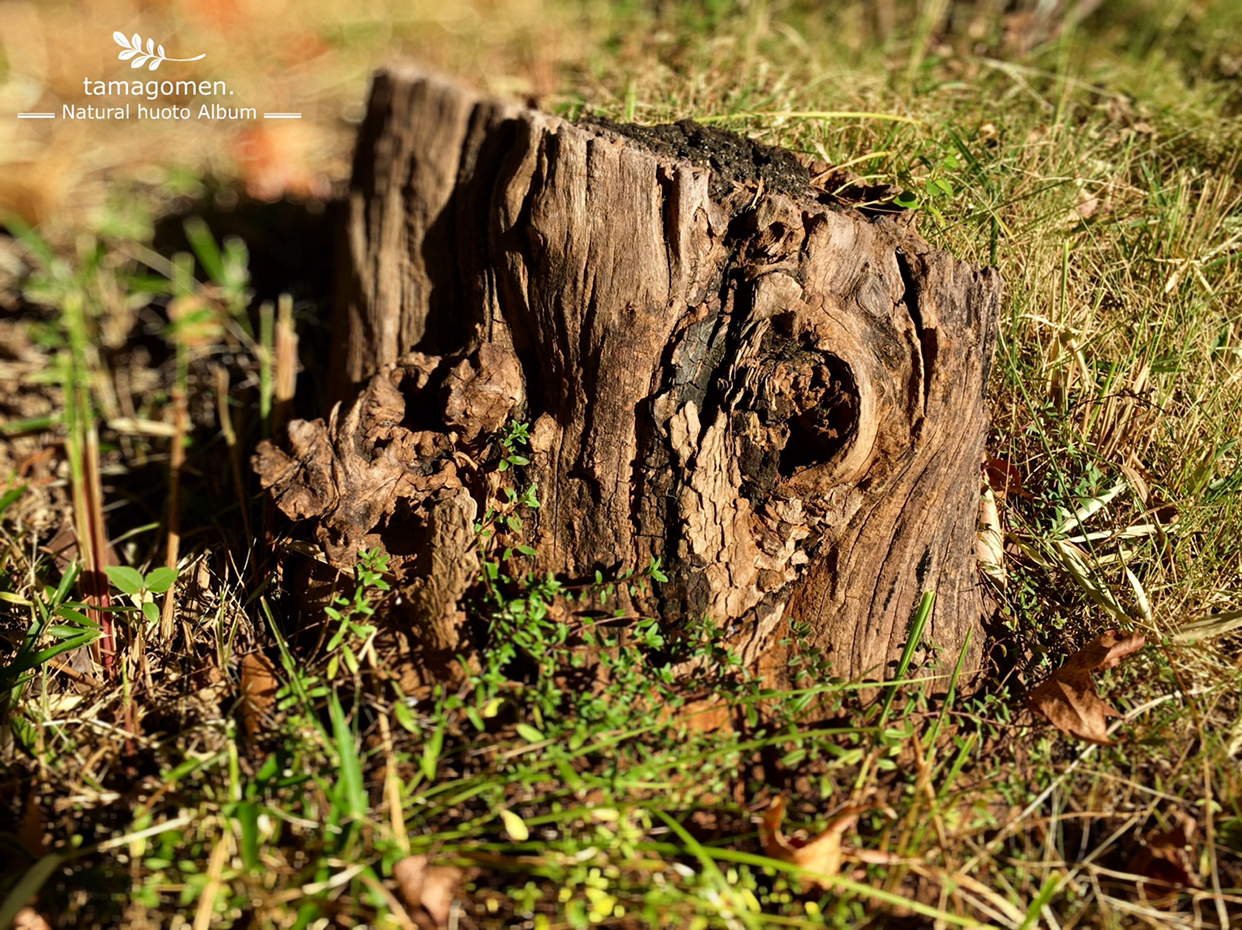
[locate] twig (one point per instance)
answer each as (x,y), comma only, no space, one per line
(92,542)
(175,462)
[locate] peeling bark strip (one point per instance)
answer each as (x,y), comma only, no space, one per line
(775,389)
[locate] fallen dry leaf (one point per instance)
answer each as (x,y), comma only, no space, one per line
(30,830)
(1069,699)
(709,715)
(30,919)
(428,890)
(1004,479)
(990,540)
(1165,862)
(279,161)
(821,856)
(258,689)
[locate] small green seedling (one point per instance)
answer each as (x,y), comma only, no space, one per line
(140,588)
(351,614)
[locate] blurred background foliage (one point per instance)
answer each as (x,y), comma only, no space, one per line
(315,57)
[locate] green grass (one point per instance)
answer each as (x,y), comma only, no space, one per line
(1097,169)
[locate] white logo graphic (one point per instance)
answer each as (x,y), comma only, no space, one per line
(153,53)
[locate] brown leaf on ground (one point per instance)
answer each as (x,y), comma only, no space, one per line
(30,830)
(1165,862)
(990,540)
(709,715)
(1004,479)
(428,890)
(821,856)
(280,161)
(258,688)
(30,919)
(1069,699)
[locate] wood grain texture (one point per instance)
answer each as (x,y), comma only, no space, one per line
(774,389)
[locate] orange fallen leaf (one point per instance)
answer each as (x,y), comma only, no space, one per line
(1165,862)
(428,890)
(30,919)
(1069,699)
(821,856)
(258,690)
(30,830)
(281,161)
(1004,479)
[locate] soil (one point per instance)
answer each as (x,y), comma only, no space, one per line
(734,159)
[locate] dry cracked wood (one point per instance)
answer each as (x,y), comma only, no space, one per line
(777,391)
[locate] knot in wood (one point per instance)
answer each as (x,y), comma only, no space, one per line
(800,409)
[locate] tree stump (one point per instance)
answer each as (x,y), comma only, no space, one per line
(730,360)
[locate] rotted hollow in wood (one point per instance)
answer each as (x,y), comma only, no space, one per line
(729,363)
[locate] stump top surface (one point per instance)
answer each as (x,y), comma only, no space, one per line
(733,159)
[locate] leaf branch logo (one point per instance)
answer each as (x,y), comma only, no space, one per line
(152,53)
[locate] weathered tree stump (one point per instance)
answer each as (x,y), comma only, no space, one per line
(727,364)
